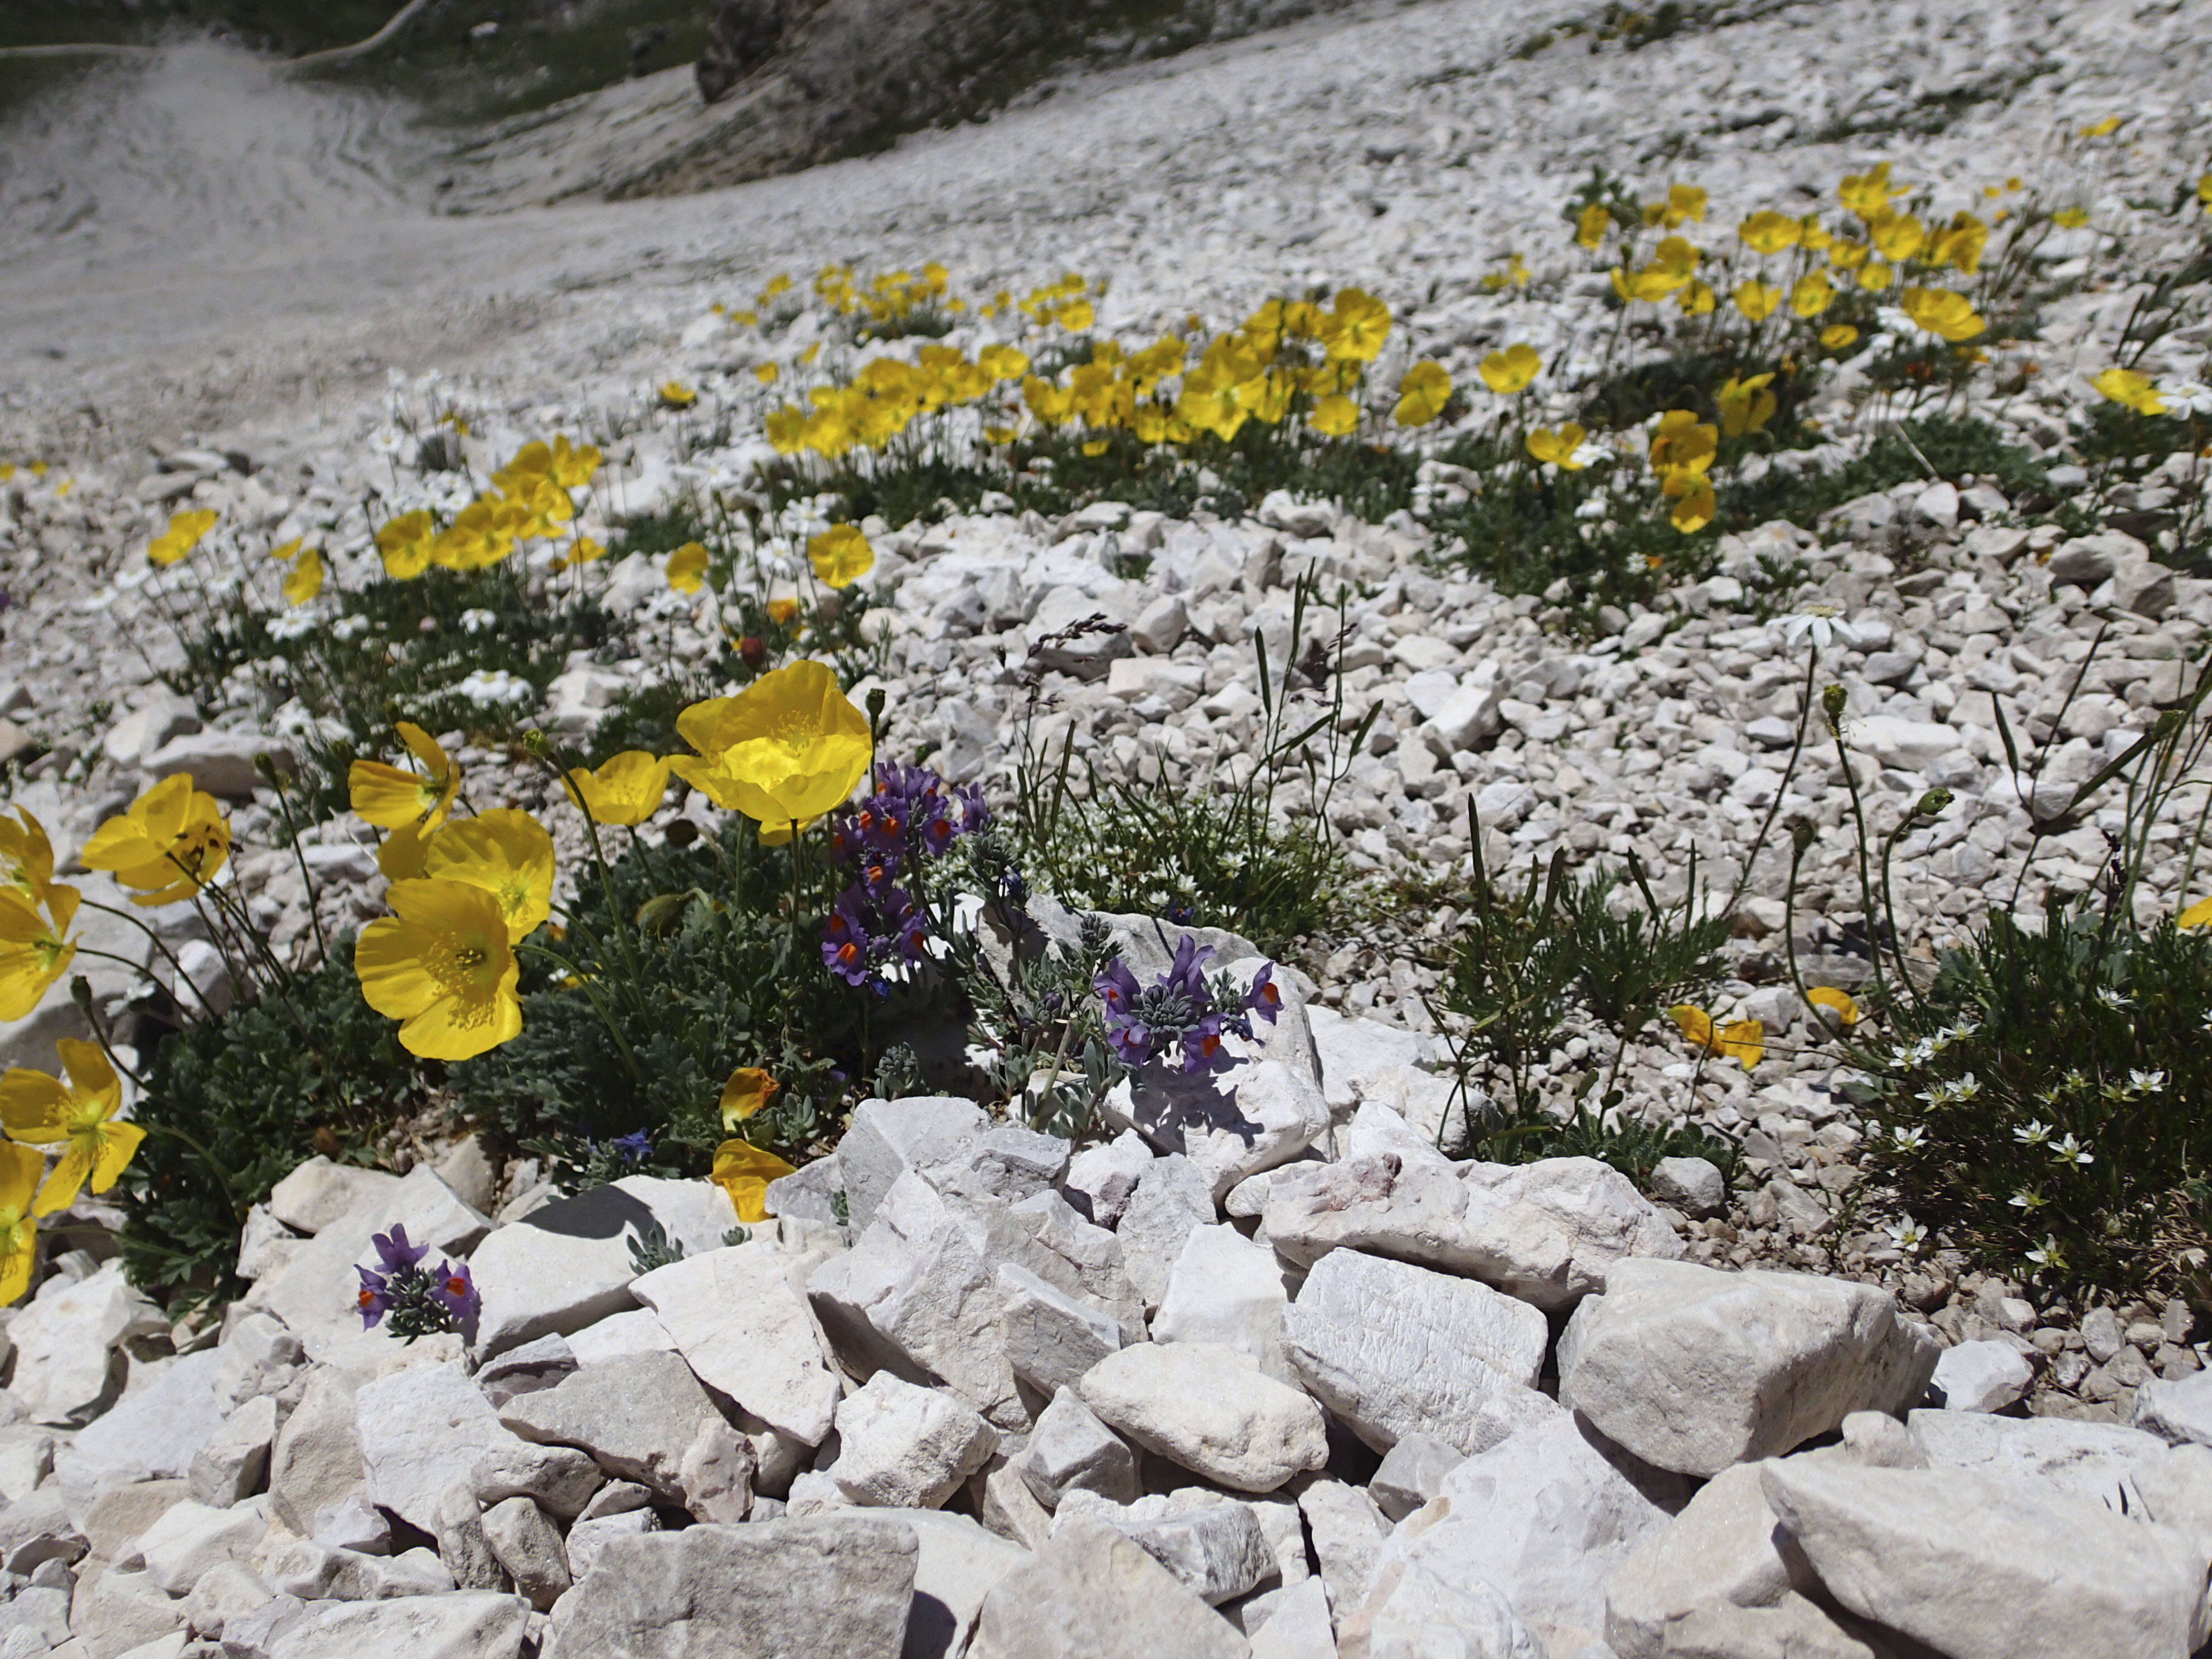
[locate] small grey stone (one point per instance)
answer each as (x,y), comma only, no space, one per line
(1412,1472)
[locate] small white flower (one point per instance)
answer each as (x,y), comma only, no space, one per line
(495,686)
(292,624)
(2068,1150)
(2185,397)
(2025,1200)
(475,621)
(1925,1050)
(1909,1140)
(348,628)
(2147,1082)
(2115,1000)
(1966,1087)
(1907,1235)
(2033,1135)
(2050,1255)
(1823,624)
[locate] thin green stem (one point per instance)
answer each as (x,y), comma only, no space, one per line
(584,984)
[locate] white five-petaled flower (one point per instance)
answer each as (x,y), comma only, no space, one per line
(2112,999)
(2033,1135)
(2048,1254)
(1907,1234)
(2147,1082)
(475,621)
(2026,1198)
(1909,1140)
(1823,624)
(2067,1150)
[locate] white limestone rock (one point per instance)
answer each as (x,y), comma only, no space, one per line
(1979,1567)
(1070,1451)
(739,1316)
(1546,1232)
(2177,1409)
(1171,1200)
(638,1415)
(2087,1460)
(1692,1369)
(420,1430)
(1202,1406)
(1224,1288)
(1090,1593)
(1981,1376)
(1253,1115)
(528,1545)
(904,1447)
(1394,1349)
(68,1342)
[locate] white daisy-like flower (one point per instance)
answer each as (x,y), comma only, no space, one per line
(292,624)
(1907,1235)
(1823,624)
(2026,1198)
(475,621)
(2190,396)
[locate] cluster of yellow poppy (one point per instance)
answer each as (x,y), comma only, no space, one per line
(841,555)
(167,848)
(466,893)
(1884,244)
(1291,358)
(530,502)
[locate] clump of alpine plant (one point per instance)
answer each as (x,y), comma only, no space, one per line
(1181,1009)
(410,1302)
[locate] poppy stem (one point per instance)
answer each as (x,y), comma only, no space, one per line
(584,984)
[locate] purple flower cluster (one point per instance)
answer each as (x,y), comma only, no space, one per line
(418,1302)
(914,816)
(1181,1007)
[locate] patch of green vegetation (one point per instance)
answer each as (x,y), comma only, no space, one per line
(1928,448)
(233,1105)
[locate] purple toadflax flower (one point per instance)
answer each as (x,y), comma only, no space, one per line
(1181,1009)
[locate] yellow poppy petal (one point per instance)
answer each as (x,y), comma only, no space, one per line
(66,1181)
(2197,915)
(119,1143)
(31,1106)
(1743,1041)
(1697,1025)
(1828,996)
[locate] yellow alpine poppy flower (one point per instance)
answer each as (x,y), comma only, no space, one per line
(2135,392)
(1756,299)
(404,543)
(789,747)
(388,796)
(167,845)
(405,852)
(1745,405)
(1874,276)
(2204,190)
(687,568)
(1742,1040)
(1898,236)
(1683,202)
(1423,392)
(182,535)
(1868,194)
(627,789)
(1811,295)
(1770,232)
(508,854)
(442,965)
(1557,448)
(1591,225)
(749,1089)
(19,1169)
(306,580)
(1694,502)
(674,394)
(841,555)
(1356,328)
(1837,335)
(1075,316)
(1683,443)
(1333,416)
(26,856)
(781,609)
(766,374)
(35,947)
(41,1110)
(1697,298)
(1509,371)
(1848,255)
(573,466)
(2071,218)
(1840,1003)
(743,1170)
(1942,312)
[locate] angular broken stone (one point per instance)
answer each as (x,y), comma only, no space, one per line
(1693,1369)
(1051,1337)
(1394,1349)
(1254,1115)
(825,1585)
(528,1545)
(1224,1288)
(420,1430)
(904,1447)
(739,1316)
(1070,1450)
(638,1415)
(1169,1201)
(1545,1232)
(1202,1406)
(1090,1593)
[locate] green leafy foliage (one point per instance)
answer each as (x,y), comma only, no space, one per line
(721,977)
(1607,1134)
(2043,1102)
(233,1105)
